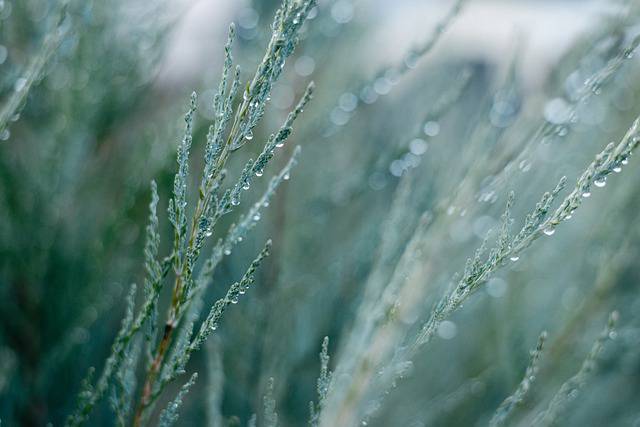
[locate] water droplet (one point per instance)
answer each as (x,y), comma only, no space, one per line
(304,66)
(235,201)
(208,233)
(431,128)
(617,169)
(525,166)
(418,146)
(256,216)
(586,194)
(549,231)
(600,182)
(234,299)
(339,117)
(227,251)
(447,330)
(249,135)
(504,110)
(266,203)
(342,11)
(279,144)
(488,196)
(248,18)
(20,84)
(562,131)
(613,335)
(259,172)
(568,216)
(246,185)
(397,168)
(5,135)
(382,86)
(557,111)
(496,287)
(411,60)
(624,161)
(514,258)
(242,290)
(286,176)
(214,326)
(348,102)
(368,95)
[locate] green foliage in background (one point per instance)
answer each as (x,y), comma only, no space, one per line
(412,240)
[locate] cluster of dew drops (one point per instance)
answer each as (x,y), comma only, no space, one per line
(370,92)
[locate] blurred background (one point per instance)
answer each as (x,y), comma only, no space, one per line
(496,105)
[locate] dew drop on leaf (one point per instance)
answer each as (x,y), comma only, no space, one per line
(600,182)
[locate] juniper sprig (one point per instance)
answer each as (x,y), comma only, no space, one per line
(269,403)
(33,72)
(168,354)
(323,384)
(541,221)
(508,405)
(393,73)
(169,415)
(572,387)
(392,241)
